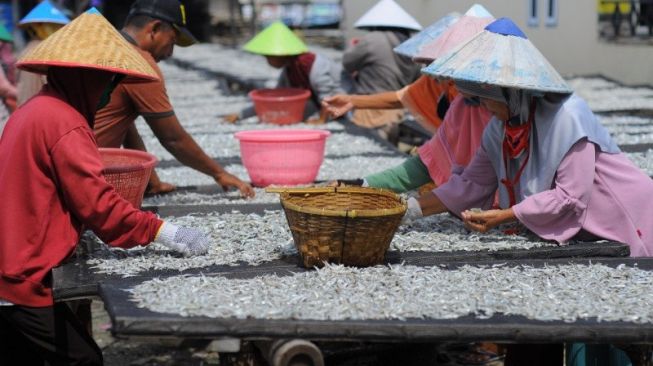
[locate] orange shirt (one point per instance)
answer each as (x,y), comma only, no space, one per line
(128,101)
(421,98)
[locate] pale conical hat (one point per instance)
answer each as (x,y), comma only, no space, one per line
(387,13)
(89,41)
(414,44)
(478,11)
(458,34)
(500,55)
(276,40)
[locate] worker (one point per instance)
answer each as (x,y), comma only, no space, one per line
(43,20)
(375,68)
(153,27)
(456,139)
(7,89)
(52,187)
(299,69)
(558,172)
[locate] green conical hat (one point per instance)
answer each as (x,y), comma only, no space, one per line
(276,40)
(4,34)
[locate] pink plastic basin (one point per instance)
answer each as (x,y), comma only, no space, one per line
(281,106)
(287,157)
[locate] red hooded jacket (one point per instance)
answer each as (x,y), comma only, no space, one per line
(51,184)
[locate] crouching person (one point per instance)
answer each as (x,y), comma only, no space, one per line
(52,186)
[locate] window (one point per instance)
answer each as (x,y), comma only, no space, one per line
(533,18)
(552,13)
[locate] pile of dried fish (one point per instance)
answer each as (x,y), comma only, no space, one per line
(220,145)
(237,238)
(644,160)
(565,292)
(445,233)
(629,130)
(337,168)
(253,239)
(603,95)
(193,198)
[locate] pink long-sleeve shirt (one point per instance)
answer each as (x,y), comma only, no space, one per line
(603,194)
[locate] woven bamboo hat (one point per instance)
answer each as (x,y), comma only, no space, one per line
(414,44)
(387,13)
(276,40)
(44,12)
(89,41)
(500,55)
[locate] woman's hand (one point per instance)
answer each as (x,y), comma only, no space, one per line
(337,105)
(483,221)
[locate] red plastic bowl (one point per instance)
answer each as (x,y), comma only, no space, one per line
(128,171)
(282,106)
(287,157)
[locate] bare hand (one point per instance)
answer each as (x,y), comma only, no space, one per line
(160,188)
(226,181)
(337,105)
(231,118)
(484,221)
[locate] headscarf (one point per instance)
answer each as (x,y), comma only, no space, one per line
(79,87)
(299,70)
(559,122)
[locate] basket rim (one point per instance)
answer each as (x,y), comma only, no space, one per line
(400,209)
(149,160)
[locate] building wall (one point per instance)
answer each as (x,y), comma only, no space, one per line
(573,46)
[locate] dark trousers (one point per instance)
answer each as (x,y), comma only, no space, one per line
(31,336)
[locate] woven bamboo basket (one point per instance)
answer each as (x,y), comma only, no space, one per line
(349,225)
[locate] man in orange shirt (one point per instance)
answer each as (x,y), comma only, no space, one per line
(154,27)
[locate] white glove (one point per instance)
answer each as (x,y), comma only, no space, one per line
(413,212)
(185,240)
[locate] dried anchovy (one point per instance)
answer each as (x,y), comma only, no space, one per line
(237,238)
(445,233)
(254,239)
(603,95)
(340,168)
(644,160)
(565,292)
(224,145)
(628,130)
(246,66)
(192,198)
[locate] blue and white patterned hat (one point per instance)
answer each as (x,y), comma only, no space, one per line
(413,45)
(501,55)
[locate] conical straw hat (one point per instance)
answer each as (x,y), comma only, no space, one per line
(276,40)
(89,41)
(4,34)
(500,55)
(458,34)
(387,13)
(414,44)
(44,12)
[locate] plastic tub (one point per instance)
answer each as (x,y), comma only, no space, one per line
(128,171)
(287,157)
(282,106)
